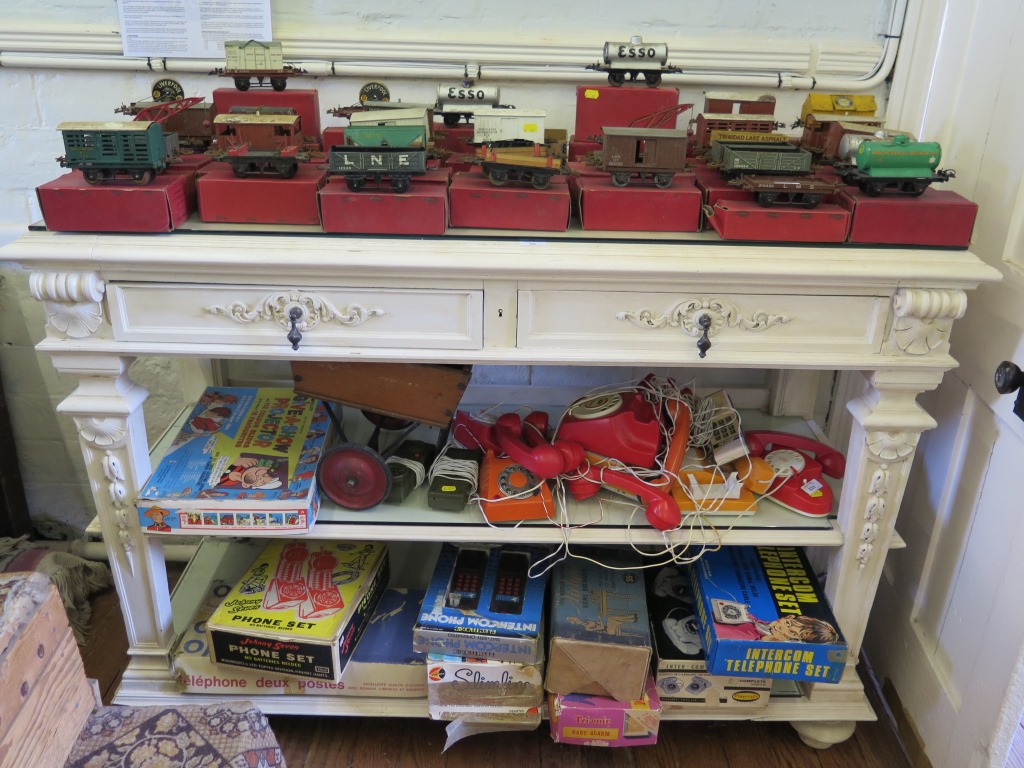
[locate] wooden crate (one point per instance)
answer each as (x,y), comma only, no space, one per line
(420,392)
(45,698)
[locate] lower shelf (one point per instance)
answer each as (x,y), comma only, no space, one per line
(138,688)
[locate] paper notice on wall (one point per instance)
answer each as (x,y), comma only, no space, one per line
(190,29)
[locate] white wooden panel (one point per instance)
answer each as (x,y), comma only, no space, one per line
(597,320)
(402,318)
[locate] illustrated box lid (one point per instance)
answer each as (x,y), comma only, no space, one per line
(762,613)
(242,448)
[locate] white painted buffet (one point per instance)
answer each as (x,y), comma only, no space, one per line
(503,300)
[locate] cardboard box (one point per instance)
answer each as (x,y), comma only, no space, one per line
(243,463)
(716,188)
(746,220)
(458,686)
(422,210)
(383,664)
(680,668)
(600,632)
(260,199)
(579,149)
(762,613)
(937,217)
(450,141)
(599,721)
(334,136)
(300,608)
(478,204)
(305,102)
(482,604)
(598,107)
(71,204)
(639,207)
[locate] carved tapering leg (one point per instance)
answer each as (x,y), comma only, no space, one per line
(107,409)
(887,425)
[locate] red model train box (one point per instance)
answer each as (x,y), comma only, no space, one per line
(579,149)
(639,207)
(746,220)
(938,217)
(333,137)
(598,107)
(71,204)
(422,210)
(304,101)
(453,140)
(260,199)
(715,187)
(478,204)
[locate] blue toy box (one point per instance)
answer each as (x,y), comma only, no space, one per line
(761,613)
(243,463)
(600,631)
(482,603)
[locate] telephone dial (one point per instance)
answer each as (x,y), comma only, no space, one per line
(799,464)
(730,611)
(510,491)
(619,425)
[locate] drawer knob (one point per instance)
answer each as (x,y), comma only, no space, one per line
(294,336)
(704,343)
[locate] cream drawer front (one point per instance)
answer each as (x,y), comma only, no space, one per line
(668,322)
(363,317)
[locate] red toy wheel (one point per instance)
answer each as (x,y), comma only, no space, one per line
(353,476)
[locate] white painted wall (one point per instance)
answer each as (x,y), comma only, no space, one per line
(946,628)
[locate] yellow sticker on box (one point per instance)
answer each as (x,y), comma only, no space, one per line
(591,93)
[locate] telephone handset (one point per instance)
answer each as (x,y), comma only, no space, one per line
(799,464)
(662,511)
(527,445)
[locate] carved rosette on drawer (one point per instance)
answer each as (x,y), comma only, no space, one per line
(73,302)
(888,450)
(923,319)
(703,317)
(311,311)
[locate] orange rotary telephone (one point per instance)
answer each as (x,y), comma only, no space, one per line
(799,465)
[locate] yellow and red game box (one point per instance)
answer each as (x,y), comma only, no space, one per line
(301,608)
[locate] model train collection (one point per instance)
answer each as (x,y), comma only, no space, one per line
(843,143)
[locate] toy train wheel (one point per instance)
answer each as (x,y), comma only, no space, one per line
(653,79)
(498,178)
(541,180)
(278,83)
(766,199)
(355,183)
(354,476)
(616,78)
(620,179)
(811,200)
(286,170)
(91,176)
(914,187)
(399,184)
(242,83)
(663,180)
(873,188)
(143,177)
(241,171)
(452,119)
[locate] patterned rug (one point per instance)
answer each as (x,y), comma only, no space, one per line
(215,736)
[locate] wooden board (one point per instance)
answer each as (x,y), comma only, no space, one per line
(425,393)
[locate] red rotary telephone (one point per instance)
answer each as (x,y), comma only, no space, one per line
(799,464)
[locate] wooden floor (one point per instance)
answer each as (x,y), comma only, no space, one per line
(323,742)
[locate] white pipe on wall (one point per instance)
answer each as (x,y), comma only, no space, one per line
(779,65)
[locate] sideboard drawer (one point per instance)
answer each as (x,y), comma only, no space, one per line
(355,317)
(668,322)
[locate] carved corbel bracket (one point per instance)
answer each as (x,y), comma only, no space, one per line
(887,451)
(923,318)
(686,313)
(73,302)
(312,311)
